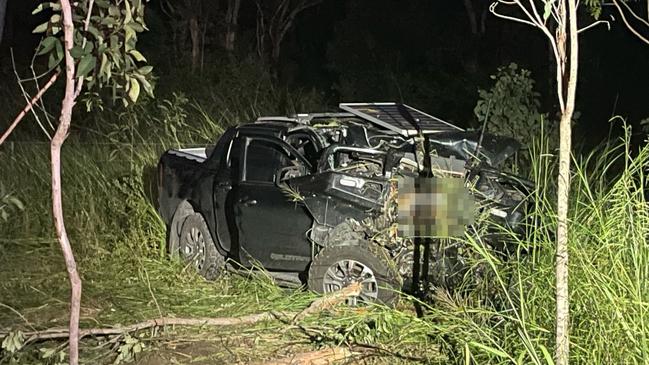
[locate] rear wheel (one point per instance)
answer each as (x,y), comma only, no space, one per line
(196,247)
(335,267)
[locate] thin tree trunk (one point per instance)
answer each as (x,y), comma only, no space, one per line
(261,31)
(231,22)
(563,319)
(195,35)
(470,12)
(3,15)
(276,49)
(57,203)
(203,35)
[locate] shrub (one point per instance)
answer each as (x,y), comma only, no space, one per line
(511,106)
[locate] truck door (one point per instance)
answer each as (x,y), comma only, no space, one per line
(272,229)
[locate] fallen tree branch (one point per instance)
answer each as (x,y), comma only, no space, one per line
(55,333)
(329,301)
(317,305)
(28,107)
(319,357)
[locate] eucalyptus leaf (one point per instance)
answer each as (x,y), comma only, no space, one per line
(113,10)
(104,67)
(547,9)
(137,55)
(145,70)
(134,90)
(129,33)
(41,28)
(58,46)
(128,15)
(136,26)
(86,65)
(47,45)
(52,61)
(77,52)
(95,32)
(46,5)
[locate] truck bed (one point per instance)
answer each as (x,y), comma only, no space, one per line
(177,169)
(198,154)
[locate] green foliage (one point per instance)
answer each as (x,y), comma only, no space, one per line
(104,48)
(511,106)
(55,354)
(594,7)
(13,342)
(609,222)
(129,349)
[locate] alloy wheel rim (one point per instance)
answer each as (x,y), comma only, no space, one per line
(192,247)
(345,272)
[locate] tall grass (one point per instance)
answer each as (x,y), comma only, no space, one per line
(510,319)
(507,317)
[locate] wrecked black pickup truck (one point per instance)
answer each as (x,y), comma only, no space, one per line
(309,197)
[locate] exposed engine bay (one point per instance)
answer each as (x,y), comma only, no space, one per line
(352,189)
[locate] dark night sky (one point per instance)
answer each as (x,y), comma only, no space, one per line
(424,47)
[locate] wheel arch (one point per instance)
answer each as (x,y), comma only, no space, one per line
(182,211)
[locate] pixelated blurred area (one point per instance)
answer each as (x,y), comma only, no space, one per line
(433,207)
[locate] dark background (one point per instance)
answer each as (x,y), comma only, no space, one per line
(423,53)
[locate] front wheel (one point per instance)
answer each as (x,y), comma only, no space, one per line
(335,267)
(196,247)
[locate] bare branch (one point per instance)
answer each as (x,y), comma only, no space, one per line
(628,25)
(159,322)
(606,22)
(528,14)
(28,107)
(41,104)
(329,301)
(323,303)
(538,18)
(323,356)
(492,9)
(645,22)
(28,97)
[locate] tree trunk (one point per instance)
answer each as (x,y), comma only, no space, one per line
(195,35)
(231,24)
(3,15)
(276,49)
(477,25)
(473,20)
(57,203)
(260,31)
(563,319)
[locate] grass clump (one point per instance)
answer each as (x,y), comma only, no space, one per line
(510,317)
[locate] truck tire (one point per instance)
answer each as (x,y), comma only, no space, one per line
(338,266)
(196,247)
